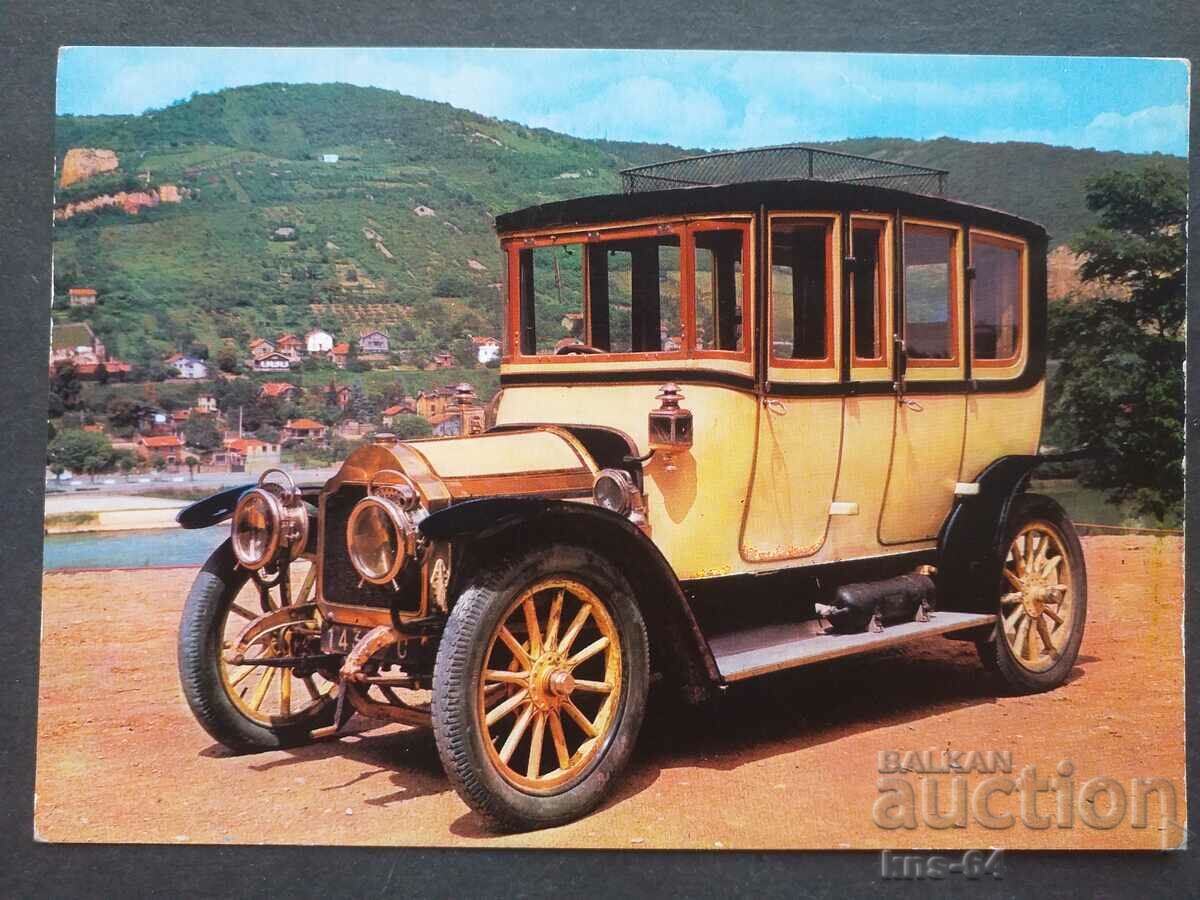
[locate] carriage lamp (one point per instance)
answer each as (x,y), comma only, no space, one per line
(670,426)
(381,533)
(270,522)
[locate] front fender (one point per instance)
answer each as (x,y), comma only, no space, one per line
(216,508)
(681,646)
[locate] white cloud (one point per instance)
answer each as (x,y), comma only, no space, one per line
(1142,131)
(642,108)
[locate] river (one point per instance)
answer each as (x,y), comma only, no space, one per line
(119,549)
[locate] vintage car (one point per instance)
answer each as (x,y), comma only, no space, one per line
(743,426)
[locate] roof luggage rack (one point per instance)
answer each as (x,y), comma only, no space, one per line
(784,162)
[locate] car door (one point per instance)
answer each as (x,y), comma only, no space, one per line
(930,418)
(799,433)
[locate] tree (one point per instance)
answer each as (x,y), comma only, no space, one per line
(191,462)
(1119,386)
(227,360)
(124,412)
(65,384)
(89,452)
(202,433)
(411,427)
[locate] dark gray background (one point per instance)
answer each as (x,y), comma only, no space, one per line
(31,32)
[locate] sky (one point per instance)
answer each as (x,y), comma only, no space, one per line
(702,99)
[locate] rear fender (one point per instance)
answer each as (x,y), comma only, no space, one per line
(481,527)
(971,543)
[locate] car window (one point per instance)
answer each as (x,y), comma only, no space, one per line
(866,290)
(719,285)
(928,292)
(801,288)
(551,293)
(632,288)
(996,299)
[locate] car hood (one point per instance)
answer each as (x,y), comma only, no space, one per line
(546,461)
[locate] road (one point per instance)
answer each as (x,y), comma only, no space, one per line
(790,761)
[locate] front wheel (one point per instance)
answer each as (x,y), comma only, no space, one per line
(1043,601)
(255,705)
(540,687)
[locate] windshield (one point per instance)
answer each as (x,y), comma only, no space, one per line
(636,291)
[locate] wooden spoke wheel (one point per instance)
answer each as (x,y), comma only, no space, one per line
(233,629)
(555,659)
(540,686)
(1036,611)
(269,694)
(1043,599)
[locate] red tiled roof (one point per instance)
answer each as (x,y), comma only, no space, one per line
(397,409)
(480,341)
(276,389)
(303,423)
(164,441)
(81,292)
(341,348)
(244,444)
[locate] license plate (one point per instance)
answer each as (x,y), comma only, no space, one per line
(341,638)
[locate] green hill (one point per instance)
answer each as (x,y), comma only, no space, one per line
(398,232)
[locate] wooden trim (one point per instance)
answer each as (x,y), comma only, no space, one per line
(954,265)
(1022,248)
(558,483)
(832,222)
(883,226)
(749,324)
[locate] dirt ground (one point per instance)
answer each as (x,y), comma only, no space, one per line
(790,761)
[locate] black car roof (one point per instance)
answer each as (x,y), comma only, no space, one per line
(790,194)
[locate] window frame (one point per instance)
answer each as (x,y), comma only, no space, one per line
(833,222)
(583,239)
(955,265)
(1006,241)
(884,299)
(689,298)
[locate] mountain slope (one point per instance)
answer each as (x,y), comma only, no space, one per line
(398,232)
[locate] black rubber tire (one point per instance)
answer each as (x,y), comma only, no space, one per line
(459,664)
(996,654)
(198,652)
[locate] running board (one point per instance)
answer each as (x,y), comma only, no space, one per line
(744,654)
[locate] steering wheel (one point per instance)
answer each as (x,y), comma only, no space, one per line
(582,349)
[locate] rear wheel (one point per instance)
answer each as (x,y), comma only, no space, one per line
(540,687)
(252,705)
(1043,604)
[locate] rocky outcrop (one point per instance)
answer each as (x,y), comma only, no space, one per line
(82,163)
(130,201)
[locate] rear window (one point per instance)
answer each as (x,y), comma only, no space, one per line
(996,299)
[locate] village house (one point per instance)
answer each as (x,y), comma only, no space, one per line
(272,362)
(353,430)
(406,407)
(318,342)
(188,366)
(81,297)
(206,403)
(487,349)
(460,412)
(443,360)
(304,430)
(430,404)
(338,394)
(372,344)
(107,370)
(340,354)
(278,390)
(76,342)
(261,345)
(290,346)
(251,455)
(329,157)
(179,418)
(165,447)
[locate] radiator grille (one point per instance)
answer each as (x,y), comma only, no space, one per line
(339,581)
